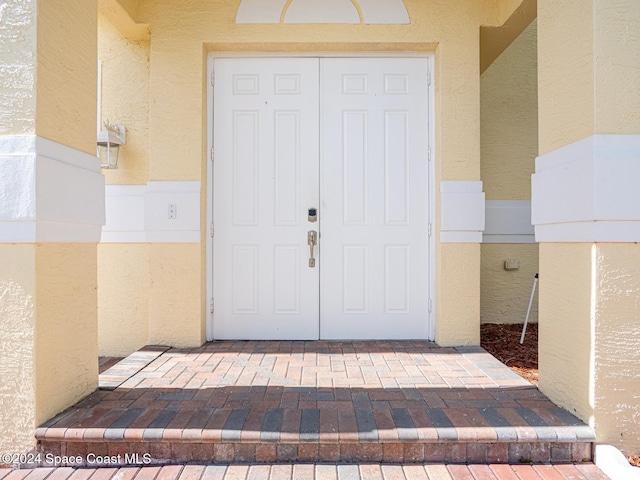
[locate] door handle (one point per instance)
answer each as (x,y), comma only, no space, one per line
(312,241)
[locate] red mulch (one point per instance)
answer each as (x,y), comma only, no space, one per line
(503,342)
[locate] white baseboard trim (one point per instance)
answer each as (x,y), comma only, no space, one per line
(49,192)
(588,191)
(139,213)
(462,211)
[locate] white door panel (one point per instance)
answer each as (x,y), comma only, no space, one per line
(265,179)
(374,199)
(348,136)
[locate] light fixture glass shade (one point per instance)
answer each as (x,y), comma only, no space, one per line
(110,139)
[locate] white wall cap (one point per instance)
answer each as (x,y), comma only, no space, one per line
(17,187)
(123,237)
(187,207)
(67,233)
(508,238)
(125,206)
(508,221)
(17,232)
(589,232)
(462,211)
(594,145)
(139,213)
(125,190)
(182,236)
(511,217)
(460,186)
(461,237)
(57,187)
(594,181)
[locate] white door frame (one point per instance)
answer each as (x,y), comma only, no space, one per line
(210,154)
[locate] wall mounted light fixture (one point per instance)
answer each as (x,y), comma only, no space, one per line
(110,139)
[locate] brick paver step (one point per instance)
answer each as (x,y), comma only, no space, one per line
(383,401)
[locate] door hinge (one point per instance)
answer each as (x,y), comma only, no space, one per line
(213,79)
(429,229)
(211,232)
(213,154)
(430,306)
(428,154)
(211,305)
(428,78)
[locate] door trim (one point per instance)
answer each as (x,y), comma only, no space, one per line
(209,158)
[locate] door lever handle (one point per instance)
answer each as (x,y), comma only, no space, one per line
(312,241)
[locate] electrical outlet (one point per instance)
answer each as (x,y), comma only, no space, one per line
(173,211)
(511,265)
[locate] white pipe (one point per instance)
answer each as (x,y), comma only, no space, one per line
(526,320)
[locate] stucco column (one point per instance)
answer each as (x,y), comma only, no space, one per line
(51,212)
(585,201)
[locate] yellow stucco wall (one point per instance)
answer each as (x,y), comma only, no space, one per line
(566,72)
(509,120)
(67,325)
(617,347)
(589,339)
(175,297)
(123,298)
(577,78)
(123,269)
(617,61)
(505,294)
(67,42)
(37,65)
(125,100)
(152,293)
(17,347)
(18,46)
(509,146)
(457,298)
(48,349)
(565,327)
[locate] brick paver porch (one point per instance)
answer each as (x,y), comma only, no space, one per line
(289,401)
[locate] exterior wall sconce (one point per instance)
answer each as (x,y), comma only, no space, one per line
(110,139)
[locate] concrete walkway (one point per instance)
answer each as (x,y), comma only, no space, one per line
(316,472)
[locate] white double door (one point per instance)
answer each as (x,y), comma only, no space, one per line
(347,137)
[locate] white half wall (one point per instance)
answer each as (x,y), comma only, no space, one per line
(140,213)
(462,211)
(588,191)
(49,192)
(508,221)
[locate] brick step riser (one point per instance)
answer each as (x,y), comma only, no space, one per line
(125,453)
